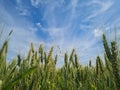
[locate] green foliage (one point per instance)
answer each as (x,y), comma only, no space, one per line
(38,71)
(112,55)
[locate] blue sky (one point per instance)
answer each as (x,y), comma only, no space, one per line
(66,24)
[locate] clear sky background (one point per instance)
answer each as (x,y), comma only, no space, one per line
(66,24)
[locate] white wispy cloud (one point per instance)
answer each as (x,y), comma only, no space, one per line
(35,3)
(102,8)
(39,24)
(23,11)
(21,8)
(97,32)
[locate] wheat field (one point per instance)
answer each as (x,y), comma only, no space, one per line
(38,70)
